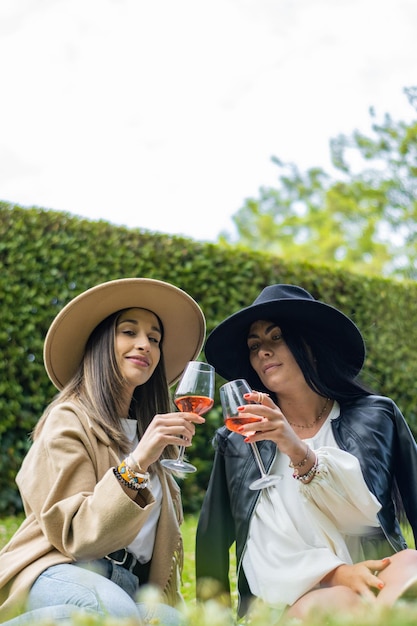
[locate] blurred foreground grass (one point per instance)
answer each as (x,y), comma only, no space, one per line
(214,614)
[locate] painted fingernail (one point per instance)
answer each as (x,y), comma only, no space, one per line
(246,440)
(381,585)
(246,395)
(240,429)
(240,408)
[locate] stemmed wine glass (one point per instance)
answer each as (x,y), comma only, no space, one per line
(231,396)
(194,394)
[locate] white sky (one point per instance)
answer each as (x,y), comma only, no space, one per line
(164,114)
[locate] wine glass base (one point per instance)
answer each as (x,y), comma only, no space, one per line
(178,466)
(265,481)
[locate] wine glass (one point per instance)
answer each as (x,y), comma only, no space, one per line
(194,394)
(231,396)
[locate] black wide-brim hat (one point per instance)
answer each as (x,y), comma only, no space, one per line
(226,347)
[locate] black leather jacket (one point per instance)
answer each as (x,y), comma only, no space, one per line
(371,428)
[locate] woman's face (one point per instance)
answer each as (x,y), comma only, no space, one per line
(137,345)
(271,358)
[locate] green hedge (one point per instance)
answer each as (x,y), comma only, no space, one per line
(48,257)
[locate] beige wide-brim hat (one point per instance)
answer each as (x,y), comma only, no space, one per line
(182,319)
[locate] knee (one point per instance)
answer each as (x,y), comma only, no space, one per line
(410,555)
(345,596)
(110,600)
(72,585)
(405,558)
(324,601)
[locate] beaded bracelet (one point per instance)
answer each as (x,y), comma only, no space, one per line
(131,483)
(125,469)
(308,476)
(130,477)
(303,462)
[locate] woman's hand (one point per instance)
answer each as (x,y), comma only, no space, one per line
(360,577)
(273,426)
(175,429)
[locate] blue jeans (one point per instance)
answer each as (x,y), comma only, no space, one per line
(58,614)
(62,589)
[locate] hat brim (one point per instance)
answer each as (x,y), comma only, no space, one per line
(182,319)
(227,350)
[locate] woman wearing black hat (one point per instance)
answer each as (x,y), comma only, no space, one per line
(102,516)
(327,535)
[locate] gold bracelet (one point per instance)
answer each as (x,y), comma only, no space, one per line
(303,462)
(308,476)
(134,466)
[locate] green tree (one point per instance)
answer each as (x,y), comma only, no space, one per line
(362,217)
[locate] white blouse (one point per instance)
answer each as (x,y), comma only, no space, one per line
(143,544)
(299,533)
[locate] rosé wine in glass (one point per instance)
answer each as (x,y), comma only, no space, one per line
(194,404)
(194,394)
(231,397)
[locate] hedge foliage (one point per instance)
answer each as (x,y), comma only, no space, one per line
(48,257)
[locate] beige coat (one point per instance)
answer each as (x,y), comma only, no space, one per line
(76,510)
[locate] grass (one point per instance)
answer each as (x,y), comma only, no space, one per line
(216,615)
(8,525)
(189,528)
(188,577)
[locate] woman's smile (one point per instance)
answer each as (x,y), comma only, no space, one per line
(138,338)
(138,360)
(270,366)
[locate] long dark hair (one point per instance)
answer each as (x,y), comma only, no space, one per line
(326,369)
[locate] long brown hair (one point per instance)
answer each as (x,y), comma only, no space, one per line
(98,386)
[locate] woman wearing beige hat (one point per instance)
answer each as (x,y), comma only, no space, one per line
(102,516)
(328,534)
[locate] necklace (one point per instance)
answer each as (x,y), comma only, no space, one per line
(318,418)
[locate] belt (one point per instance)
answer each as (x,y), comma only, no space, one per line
(122,557)
(126,560)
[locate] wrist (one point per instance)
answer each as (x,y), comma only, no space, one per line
(301,458)
(129,477)
(307,468)
(137,465)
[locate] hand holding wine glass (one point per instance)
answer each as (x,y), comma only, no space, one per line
(231,397)
(194,394)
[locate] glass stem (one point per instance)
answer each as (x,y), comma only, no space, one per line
(258,459)
(181,453)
